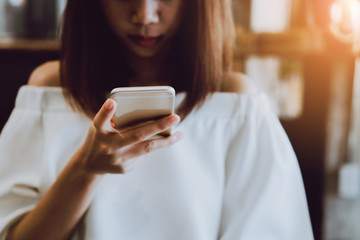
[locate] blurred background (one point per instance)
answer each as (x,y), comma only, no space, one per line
(303,53)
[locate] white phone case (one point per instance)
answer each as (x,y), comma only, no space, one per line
(137,105)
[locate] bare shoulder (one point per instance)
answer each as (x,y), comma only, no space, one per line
(238,83)
(47,74)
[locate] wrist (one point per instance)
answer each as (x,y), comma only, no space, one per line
(81,172)
(88,156)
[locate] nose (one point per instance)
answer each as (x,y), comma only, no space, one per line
(146,12)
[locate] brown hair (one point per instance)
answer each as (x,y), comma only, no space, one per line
(202,51)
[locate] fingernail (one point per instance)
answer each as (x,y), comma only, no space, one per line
(109,104)
(174,119)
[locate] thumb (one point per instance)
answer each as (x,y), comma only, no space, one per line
(102,120)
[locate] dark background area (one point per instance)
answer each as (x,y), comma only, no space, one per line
(15,69)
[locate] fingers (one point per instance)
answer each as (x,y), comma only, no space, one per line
(148,146)
(143,132)
(102,120)
(125,160)
(118,150)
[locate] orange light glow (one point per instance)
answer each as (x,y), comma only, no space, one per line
(336,12)
(355,15)
(345,20)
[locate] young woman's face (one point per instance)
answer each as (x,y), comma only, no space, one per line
(144,26)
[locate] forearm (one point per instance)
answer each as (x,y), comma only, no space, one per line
(106,150)
(60,210)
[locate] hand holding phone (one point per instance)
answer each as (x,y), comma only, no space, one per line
(110,150)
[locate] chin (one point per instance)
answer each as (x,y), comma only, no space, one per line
(146,53)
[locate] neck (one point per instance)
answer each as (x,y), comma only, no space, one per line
(147,70)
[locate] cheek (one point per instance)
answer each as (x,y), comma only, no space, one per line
(119,27)
(116,17)
(173,20)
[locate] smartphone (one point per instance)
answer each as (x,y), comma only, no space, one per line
(137,105)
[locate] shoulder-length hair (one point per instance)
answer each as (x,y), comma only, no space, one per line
(92,62)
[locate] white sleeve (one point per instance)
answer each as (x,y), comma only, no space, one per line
(20,165)
(264,195)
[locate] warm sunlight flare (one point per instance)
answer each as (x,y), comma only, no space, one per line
(345,20)
(336,13)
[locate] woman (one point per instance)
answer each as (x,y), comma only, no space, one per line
(228,172)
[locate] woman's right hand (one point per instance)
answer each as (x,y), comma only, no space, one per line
(111,150)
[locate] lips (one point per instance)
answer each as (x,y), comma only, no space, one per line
(145,41)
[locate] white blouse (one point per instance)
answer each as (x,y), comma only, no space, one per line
(234,175)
